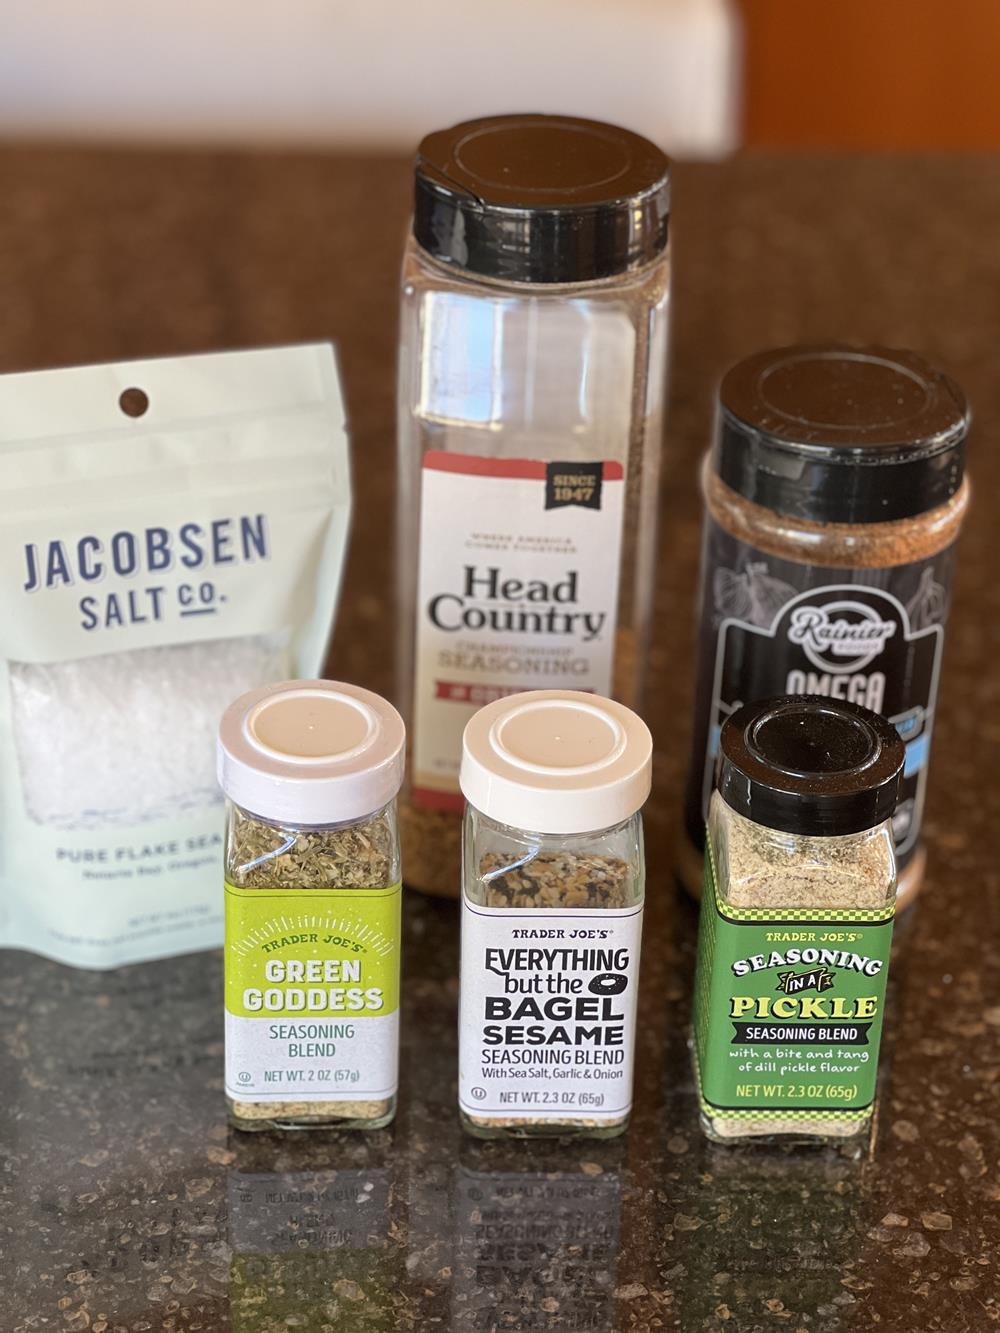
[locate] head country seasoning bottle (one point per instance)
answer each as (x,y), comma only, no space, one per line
(796,920)
(532,367)
(835,489)
(310,770)
(553,890)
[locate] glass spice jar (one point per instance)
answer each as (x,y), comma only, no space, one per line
(311,770)
(532,369)
(796,920)
(835,490)
(554,882)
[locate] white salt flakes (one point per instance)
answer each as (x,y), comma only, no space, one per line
(129,737)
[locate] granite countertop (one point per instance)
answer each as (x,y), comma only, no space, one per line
(126,1202)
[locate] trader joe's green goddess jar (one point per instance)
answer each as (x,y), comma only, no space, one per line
(311,769)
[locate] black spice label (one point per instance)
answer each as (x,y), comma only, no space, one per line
(573,484)
(871,636)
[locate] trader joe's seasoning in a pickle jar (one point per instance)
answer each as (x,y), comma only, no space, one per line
(796,920)
(835,489)
(311,770)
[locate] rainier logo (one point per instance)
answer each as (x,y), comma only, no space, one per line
(840,636)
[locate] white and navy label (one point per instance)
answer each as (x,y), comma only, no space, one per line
(548,1012)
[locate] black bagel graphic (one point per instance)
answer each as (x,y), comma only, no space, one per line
(608,983)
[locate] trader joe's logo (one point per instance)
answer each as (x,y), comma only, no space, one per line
(840,636)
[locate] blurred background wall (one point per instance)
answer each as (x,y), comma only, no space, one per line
(365,72)
(699,76)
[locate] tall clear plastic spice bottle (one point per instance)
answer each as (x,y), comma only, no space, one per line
(554,881)
(835,490)
(311,770)
(531,392)
(796,920)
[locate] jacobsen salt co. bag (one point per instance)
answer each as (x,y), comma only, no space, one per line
(172,533)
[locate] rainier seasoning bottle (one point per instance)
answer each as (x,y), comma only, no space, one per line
(835,490)
(796,920)
(311,770)
(553,877)
(531,389)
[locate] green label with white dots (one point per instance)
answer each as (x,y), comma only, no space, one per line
(788,1008)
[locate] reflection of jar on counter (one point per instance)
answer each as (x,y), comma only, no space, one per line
(531,384)
(835,491)
(785,1229)
(312,1249)
(534,1248)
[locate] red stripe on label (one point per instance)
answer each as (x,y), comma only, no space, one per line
(431,799)
(471,465)
(472,692)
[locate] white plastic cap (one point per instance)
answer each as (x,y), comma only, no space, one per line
(556,761)
(311,752)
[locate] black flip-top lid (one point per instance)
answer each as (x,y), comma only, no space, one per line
(841,434)
(544,199)
(808,765)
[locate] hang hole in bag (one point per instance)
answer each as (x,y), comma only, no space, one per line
(156,573)
(134,402)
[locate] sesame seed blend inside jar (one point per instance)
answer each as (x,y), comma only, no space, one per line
(796,920)
(835,489)
(311,770)
(554,879)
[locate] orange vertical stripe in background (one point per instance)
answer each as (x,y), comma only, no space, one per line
(872,73)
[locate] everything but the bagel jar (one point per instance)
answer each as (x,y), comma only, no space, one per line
(835,490)
(552,902)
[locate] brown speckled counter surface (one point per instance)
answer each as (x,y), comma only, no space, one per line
(125,1201)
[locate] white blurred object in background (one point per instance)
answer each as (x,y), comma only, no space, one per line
(376,74)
